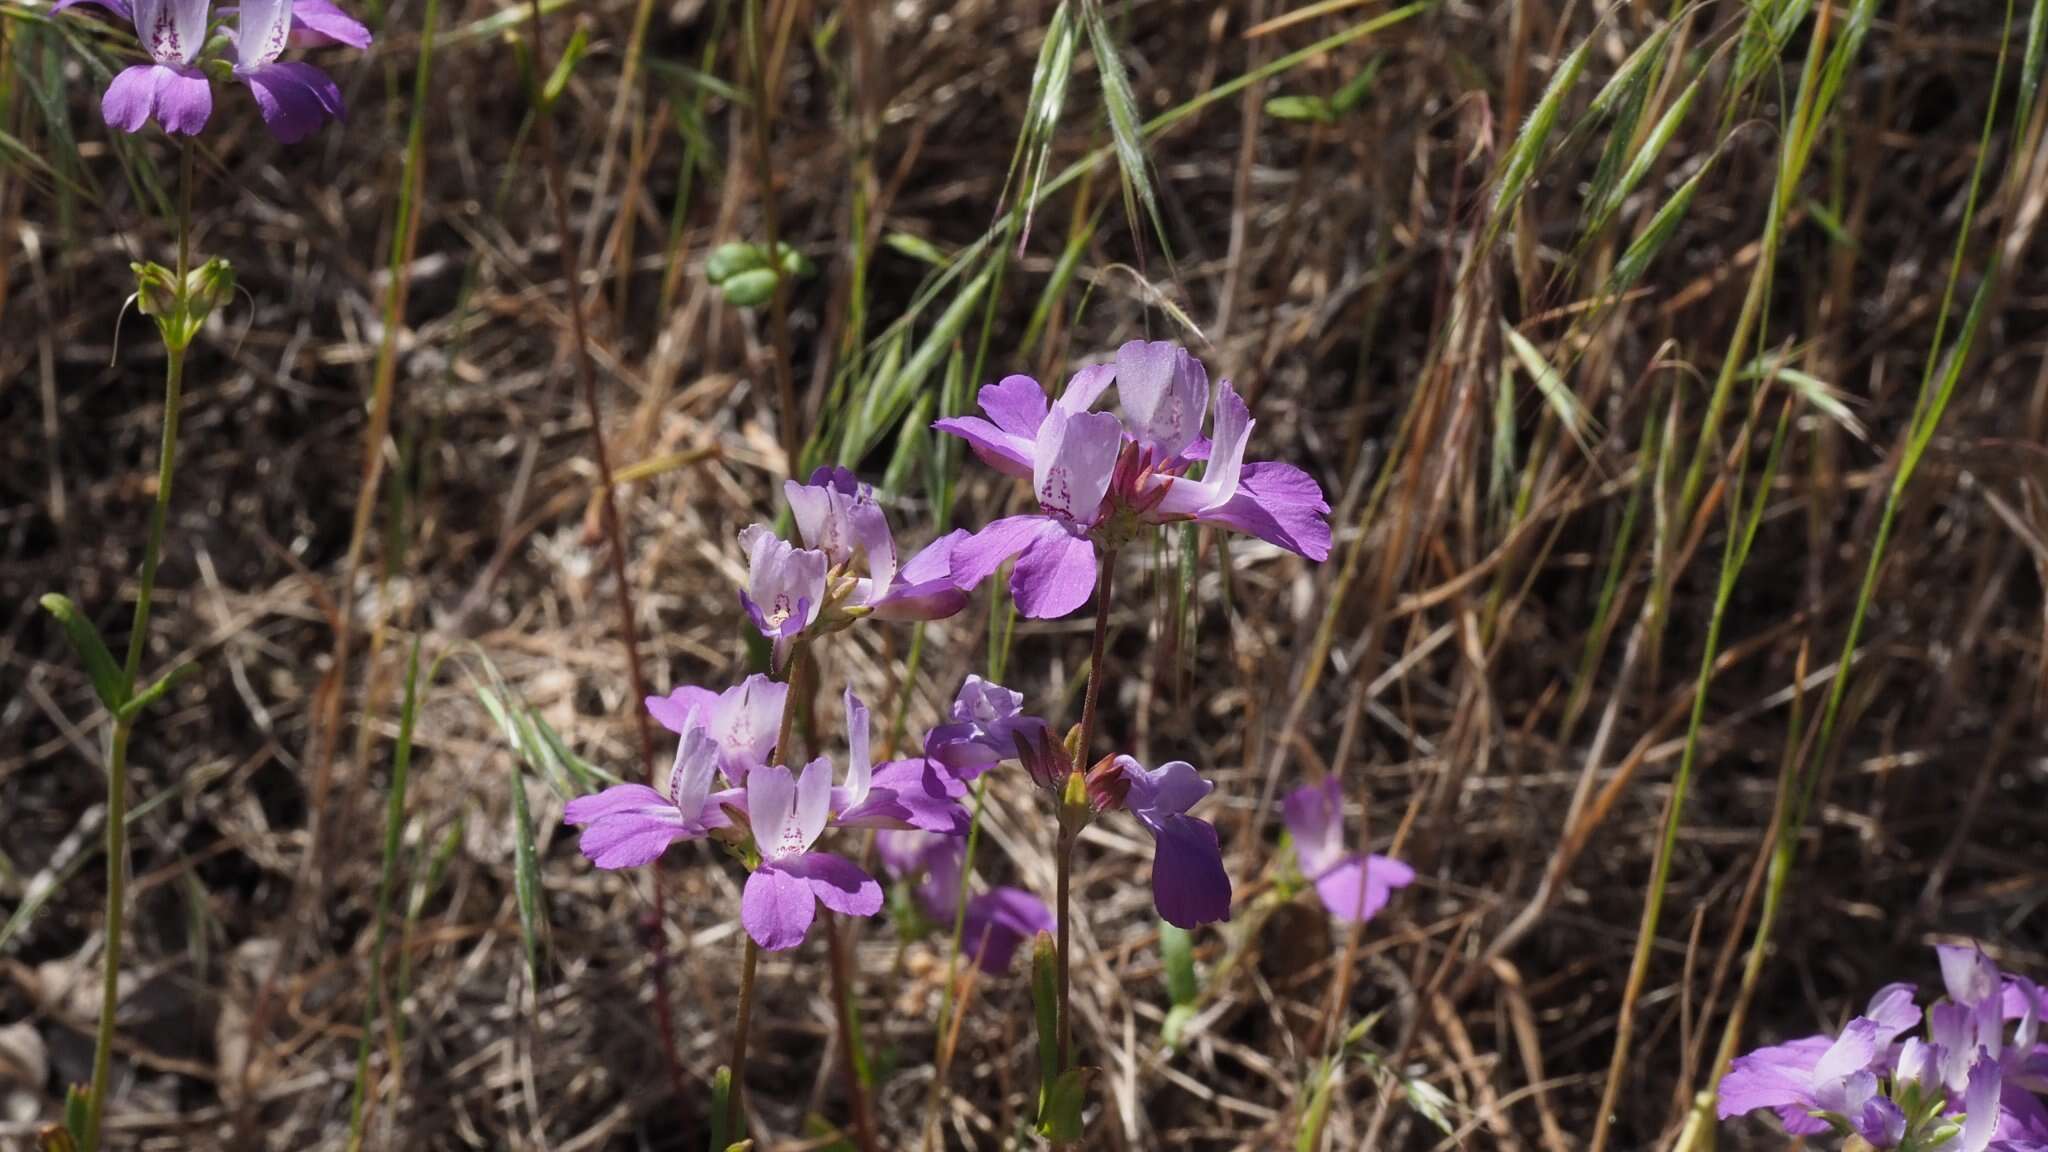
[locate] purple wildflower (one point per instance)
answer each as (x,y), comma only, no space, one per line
(987,726)
(170,89)
(1965,1088)
(295,97)
(788,814)
(995,923)
(1821,1074)
(744,720)
(1189,885)
(1097,477)
(628,825)
(1352,886)
(837,515)
(785,587)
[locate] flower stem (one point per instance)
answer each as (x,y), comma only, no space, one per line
(849,1033)
(1069,830)
(734,1109)
(117,759)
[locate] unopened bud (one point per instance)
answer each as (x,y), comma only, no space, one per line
(1047,763)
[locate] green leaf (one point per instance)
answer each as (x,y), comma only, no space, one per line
(107,677)
(729,260)
(155,692)
(558,81)
(917,248)
(77,1107)
(1313,108)
(1045,1007)
(721,1094)
(1356,89)
(1560,396)
(1060,1119)
(750,289)
(1177,951)
(1313,1117)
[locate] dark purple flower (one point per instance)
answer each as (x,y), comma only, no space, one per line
(1189,885)
(628,825)
(1352,886)
(987,724)
(837,515)
(785,587)
(996,922)
(1097,477)
(744,720)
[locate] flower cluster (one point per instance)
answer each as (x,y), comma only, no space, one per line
(1099,479)
(174,88)
(814,590)
(1974,1084)
(773,817)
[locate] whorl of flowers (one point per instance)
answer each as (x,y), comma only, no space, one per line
(1973,1083)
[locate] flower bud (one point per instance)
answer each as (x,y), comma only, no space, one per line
(1048,763)
(1108,785)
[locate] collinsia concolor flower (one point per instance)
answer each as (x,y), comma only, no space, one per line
(987,727)
(1965,1088)
(1097,478)
(744,720)
(1352,886)
(837,515)
(295,98)
(993,923)
(1189,885)
(628,825)
(785,587)
(785,813)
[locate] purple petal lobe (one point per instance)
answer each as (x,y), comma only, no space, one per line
(1015,405)
(997,922)
(264,28)
(1280,504)
(294,97)
(1356,889)
(1000,450)
(1189,885)
(838,883)
(977,557)
(777,907)
(1165,395)
(1055,576)
(1779,1076)
(320,22)
(1314,818)
(171,31)
(1086,387)
(117,7)
(1073,462)
(673,710)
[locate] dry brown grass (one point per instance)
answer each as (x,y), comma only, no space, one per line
(1324,264)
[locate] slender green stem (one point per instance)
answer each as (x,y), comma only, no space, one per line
(117,895)
(117,760)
